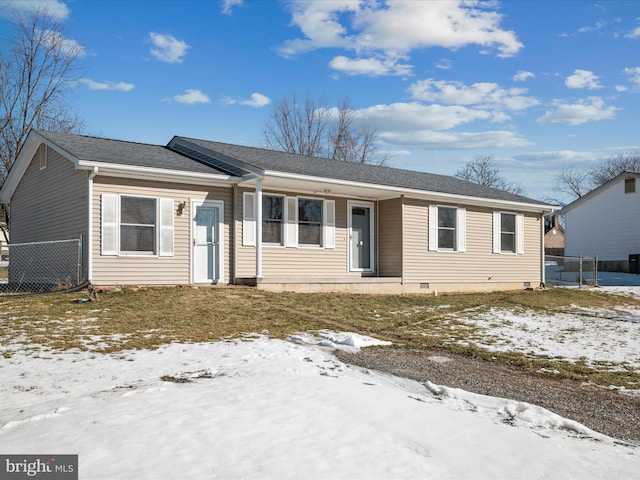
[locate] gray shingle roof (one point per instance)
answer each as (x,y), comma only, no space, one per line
(119,152)
(265,159)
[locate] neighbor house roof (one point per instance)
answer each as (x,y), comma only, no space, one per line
(597,190)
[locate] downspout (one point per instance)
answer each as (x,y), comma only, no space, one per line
(542,254)
(376,226)
(258,210)
(92,173)
(402,232)
(233,233)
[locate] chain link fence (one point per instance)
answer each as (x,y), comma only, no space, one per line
(40,267)
(568,271)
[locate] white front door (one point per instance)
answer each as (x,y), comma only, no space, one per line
(207,242)
(360,238)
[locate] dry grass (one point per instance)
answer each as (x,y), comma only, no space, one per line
(148,318)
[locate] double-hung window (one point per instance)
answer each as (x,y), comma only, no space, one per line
(290,221)
(508,232)
(136,225)
(310,222)
(272,219)
(447,228)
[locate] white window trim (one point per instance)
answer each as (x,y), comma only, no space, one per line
(163,222)
(284,221)
(497,233)
(290,222)
(249,219)
(323,239)
(461,229)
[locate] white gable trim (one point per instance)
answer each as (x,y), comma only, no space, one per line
(28,150)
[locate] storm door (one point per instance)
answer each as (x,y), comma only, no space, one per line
(360,237)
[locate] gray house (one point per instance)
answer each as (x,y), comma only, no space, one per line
(202,212)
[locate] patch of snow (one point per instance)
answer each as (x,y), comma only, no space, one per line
(348,341)
(273,409)
(606,338)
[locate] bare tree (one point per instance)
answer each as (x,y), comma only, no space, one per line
(36,71)
(352,144)
(311,128)
(573,182)
(484,171)
(297,127)
(577,183)
(614,166)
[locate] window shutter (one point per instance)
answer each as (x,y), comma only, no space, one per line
(109,241)
(433,228)
(165,225)
(520,233)
(329,224)
(291,222)
(461,230)
(248,219)
(497,243)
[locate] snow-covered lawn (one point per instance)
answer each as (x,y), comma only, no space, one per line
(606,339)
(265,408)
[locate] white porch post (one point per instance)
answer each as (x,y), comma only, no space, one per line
(258,210)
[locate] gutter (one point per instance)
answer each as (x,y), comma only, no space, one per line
(422,194)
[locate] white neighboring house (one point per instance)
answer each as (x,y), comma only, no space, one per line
(606,223)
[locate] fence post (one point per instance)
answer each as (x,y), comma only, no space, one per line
(580,276)
(595,271)
(79,278)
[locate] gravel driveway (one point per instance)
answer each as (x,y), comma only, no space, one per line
(606,411)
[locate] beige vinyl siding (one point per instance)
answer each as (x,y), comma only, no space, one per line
(478,264)
(156,270)
(390,237)
(280,261)
(50,204)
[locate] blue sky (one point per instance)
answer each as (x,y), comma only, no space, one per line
(540,85)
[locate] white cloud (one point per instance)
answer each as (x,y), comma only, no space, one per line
(444,64)
(582,79)
(415,124)
(256,100)
(482,93)
(55,8)
(553,158)
(416,116)
(391,30)
(117,86)
(368,66)
(228,6)
(66,45)
(168,48)
(634,33)
(457,140)
(591,109)
(634,75)
(522,76)
(192,97)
